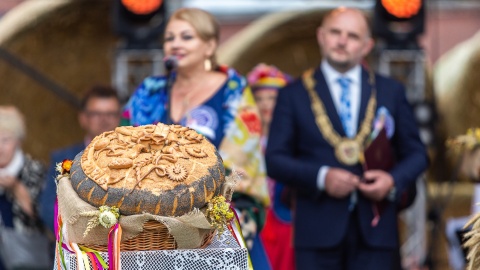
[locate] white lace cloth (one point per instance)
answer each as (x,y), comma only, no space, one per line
(223,253)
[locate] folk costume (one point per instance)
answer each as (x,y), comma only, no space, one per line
(276,235)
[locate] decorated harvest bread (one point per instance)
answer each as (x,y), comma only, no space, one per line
(165,170)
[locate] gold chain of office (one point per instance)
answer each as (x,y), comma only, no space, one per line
(348,151)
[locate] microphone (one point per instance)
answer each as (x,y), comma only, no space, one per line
(170,63)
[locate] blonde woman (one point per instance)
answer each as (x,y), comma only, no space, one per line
(212,99)
(21,177)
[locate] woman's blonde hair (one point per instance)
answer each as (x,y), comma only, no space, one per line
(11,120)
(204,24)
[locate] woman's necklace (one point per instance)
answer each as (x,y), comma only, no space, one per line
(348,151)
(184,101)
(199,92)
(188,98)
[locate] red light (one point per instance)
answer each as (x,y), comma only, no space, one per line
(402,9)
(142,7)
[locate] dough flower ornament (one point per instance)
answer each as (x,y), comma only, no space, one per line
(63,168)
(107,216)
(219,213)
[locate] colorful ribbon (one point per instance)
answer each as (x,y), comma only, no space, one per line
(92,259)
(86,257)
(78,253)
(236,231)
(101,264)
(57,217)
(114,238)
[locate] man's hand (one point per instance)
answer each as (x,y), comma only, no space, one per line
(377,186)
(339,183)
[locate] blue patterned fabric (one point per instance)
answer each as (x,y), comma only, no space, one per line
(148,105)
(345,106)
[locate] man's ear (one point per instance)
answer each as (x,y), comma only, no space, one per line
(368,46)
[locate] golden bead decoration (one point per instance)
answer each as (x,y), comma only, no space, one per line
(347,151)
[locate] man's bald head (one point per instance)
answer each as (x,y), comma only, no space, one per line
(362,18)
(344,38)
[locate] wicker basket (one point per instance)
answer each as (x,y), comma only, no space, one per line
(155,236)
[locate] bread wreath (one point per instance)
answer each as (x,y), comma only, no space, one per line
(165,170)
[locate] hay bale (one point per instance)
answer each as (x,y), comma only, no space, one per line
(457,88)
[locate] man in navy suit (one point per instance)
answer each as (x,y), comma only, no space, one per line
(345,217)
(100,112)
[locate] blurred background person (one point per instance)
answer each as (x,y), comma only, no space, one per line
(100,112)
(21,177)
(276,236)
(345,212)
(216,102)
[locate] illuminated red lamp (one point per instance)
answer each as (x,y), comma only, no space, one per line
(403,9)
(399,22)
(142,7)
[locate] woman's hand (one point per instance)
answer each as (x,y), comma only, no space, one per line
(19,191)
(8,182)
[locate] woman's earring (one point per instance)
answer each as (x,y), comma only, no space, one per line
(208,64)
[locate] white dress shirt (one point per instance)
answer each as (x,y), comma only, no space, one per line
(331,77)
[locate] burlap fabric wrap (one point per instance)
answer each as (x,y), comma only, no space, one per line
(188,230)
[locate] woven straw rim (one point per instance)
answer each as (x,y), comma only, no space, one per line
(155,236)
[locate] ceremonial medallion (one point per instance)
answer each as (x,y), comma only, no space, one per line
(348,152)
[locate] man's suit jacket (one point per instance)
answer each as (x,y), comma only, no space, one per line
(47,199)
(296,150)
